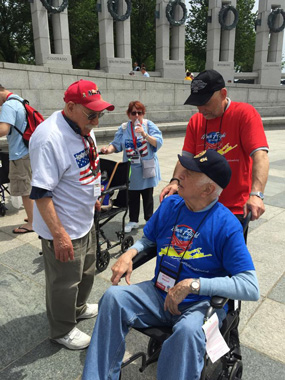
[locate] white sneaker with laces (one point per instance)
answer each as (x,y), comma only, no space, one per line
(74,340)
(90,312)
(130,226)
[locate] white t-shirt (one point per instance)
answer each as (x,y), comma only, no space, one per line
(60,164)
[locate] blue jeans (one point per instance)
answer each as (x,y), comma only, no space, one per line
(141,305)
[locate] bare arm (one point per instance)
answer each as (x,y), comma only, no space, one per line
(63,247)
(260,169)
(4,129)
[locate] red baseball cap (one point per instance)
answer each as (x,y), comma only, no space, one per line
(86,93)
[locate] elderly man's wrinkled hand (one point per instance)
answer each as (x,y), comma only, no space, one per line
(176,295)
(63,247)
(123,265)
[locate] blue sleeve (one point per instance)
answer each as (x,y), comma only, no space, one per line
(143,244)
(118,139)
(38,193)
(155,132)
(242,286)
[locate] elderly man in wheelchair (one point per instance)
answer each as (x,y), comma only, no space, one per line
(201,252)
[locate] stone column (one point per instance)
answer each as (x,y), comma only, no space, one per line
(220,42)
(62,56)
(122,62)
(172,66)
(268,46)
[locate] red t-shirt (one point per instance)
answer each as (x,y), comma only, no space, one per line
(236,134)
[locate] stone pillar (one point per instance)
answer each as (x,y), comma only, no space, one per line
(220,42)
(268,46)
(169,65)
(44,57)
(122,62)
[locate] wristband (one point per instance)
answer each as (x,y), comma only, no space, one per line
(174,179)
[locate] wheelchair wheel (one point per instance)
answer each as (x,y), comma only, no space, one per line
(2,210)
(127,243)
(153,347)
(103,261)
(236,372)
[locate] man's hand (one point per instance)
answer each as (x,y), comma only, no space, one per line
(170,189)
(176,295)
(123,265)
(256,205)
(63,247)
(98,206)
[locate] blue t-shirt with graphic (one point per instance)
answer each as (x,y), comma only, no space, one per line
(217,247)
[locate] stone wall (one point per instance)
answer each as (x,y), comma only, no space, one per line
(44,88)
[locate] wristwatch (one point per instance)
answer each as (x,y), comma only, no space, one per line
(258,194)
(195,286)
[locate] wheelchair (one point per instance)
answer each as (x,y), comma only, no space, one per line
(117,174)
(229,366)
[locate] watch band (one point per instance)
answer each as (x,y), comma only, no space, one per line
(258,194)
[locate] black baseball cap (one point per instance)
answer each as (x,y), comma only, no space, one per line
(211,163)
(203,87)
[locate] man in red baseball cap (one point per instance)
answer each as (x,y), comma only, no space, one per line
(66,184)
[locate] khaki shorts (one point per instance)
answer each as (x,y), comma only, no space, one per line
(20,176)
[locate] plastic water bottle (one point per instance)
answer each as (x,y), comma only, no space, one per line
(137,123)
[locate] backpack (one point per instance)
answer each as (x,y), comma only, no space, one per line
(34,118)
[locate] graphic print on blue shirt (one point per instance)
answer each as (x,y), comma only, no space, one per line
(141,147)
(85,176)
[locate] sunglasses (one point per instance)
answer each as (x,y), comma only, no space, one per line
(134,113)
(92,116)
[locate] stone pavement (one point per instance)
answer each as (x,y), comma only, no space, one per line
(25,349)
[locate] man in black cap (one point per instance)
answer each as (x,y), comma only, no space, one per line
(233,129)
(200,252)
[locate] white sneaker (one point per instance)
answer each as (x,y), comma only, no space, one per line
(90,312)
(130,226)
(74,340)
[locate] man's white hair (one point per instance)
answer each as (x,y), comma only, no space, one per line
(205,180)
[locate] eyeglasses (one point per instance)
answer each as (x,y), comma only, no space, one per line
(134,113)
(92,116)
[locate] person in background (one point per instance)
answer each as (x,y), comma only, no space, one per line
(66,184)
(136,67)
(201,252)
(12,116)
(188,76)
(144,72)
(139,139)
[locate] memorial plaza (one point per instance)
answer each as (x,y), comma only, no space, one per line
(26,351)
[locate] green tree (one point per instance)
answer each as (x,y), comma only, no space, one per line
(143,39)
(84,34)
(196,36)
(16,35)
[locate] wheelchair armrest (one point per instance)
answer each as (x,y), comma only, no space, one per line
(143,257)
(218,302)
(112,189)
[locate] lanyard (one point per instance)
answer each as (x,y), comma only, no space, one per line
(190,241)
(133,136)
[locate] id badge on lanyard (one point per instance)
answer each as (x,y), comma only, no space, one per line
(168,273)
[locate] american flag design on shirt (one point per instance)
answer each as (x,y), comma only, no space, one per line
(86,176)
(141,148)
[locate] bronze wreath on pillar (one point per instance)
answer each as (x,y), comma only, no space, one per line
(272,18)
(51,9)
(170,12)
(223,15)
(113,9)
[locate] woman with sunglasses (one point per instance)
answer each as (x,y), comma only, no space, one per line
(139,139)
